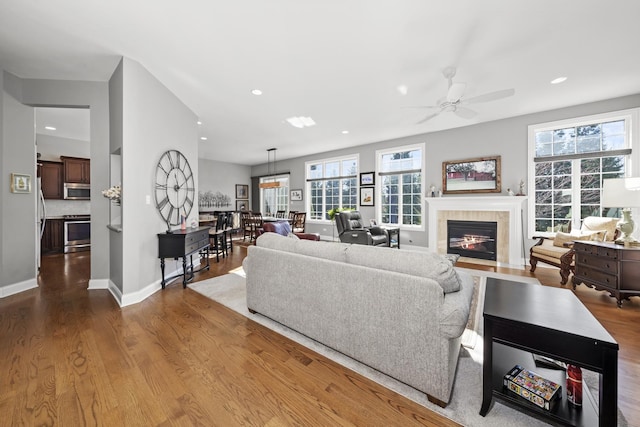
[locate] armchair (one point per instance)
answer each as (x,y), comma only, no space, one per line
(558,250)
(351,230)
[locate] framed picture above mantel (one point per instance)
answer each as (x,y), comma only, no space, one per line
(477,175)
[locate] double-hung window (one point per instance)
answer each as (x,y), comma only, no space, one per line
(568,160)
(331,183)
(401,183)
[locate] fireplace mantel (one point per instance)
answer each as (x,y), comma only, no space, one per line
(512,229)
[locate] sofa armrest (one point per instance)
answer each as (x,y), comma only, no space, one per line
(456,307)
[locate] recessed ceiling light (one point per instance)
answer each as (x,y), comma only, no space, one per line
(558,80)
(199,122)
(345,132)
(301,122)
(402,89)
(256,92)
(49,128)
(204,138)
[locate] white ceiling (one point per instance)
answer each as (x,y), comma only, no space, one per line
(69,123)
(337,61)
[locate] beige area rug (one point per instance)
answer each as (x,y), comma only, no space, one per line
(230,291)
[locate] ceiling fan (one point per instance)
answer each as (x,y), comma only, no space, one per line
(455,102)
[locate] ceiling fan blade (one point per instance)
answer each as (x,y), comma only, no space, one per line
(456,91)
(491,96)
(429,117)
(465,113)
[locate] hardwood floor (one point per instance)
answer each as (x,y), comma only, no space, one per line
(73,357)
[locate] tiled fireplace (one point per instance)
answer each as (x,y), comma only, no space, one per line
(505,211)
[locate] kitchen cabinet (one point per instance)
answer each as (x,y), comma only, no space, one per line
(51,175)
(53,237)
(76,170)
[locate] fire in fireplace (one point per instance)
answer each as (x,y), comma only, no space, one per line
(473,239)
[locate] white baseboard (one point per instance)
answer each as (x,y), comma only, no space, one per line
(16,288)
(98,284)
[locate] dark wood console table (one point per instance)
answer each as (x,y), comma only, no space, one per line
(524,318)
(608,267)
(181,244)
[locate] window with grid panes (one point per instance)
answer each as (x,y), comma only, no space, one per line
(400,190)
(331,183)
(276,198)
(569,161)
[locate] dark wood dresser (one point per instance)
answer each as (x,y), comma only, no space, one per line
(608,267)
(183,244)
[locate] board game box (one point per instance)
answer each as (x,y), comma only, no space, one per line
(533,387)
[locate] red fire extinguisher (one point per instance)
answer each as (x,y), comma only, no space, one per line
(574,385)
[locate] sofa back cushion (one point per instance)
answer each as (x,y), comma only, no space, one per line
(415,263)
(327,250)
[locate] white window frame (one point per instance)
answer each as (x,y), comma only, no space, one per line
(308,181)
(632,127)
(379,153)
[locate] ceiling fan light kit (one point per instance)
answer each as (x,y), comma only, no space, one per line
(454,101)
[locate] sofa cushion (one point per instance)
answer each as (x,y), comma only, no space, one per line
(327,250)
(416,263)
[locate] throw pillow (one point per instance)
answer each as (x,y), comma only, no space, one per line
(452,257)
(562,238)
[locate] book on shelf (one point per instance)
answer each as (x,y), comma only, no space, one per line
(547,362)
(532,387)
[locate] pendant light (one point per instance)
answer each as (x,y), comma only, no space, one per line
(274,183)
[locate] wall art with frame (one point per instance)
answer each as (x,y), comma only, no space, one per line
(477,175)
(367,178)
(20,183)
(366,196)
(242,191)
(242,205)
(295,195)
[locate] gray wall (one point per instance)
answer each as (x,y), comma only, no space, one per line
(507,138)
(221,176)
(153,121)
(18,219)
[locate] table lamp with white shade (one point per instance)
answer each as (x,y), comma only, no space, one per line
(622,193)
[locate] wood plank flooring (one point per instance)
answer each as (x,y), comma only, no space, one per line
(73,357)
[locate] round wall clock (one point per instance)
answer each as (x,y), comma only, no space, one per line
(175,188)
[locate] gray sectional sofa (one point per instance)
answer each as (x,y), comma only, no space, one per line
(400,312)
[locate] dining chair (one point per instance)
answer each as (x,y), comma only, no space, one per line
(299,221)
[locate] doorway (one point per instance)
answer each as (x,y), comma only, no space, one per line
(61,133)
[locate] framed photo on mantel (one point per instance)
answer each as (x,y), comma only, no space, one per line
(478,175)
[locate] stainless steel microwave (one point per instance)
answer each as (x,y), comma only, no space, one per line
(73,191)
